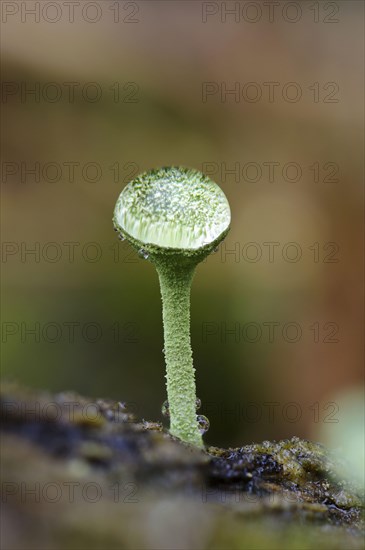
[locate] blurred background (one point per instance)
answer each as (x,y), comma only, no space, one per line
(268,101)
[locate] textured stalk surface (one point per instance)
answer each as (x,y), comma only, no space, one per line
(175,284)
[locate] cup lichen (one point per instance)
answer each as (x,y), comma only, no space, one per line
(175,217)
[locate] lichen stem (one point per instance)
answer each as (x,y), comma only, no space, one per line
(175,284)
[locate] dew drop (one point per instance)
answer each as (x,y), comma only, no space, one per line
(121,237)
(198,403)
(203,424)
(165,409)
(151,425)
(143,253)
(216,249)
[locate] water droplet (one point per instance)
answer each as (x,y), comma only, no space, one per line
(165,408)
(216,249)
(163,350)
(203,424)
(151,425)
(198,403)
(143,253)
(121,237)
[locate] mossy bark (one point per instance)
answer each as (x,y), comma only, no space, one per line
(92,476)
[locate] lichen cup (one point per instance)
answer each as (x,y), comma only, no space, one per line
(175,217)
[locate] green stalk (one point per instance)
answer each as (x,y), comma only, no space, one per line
(175,284)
